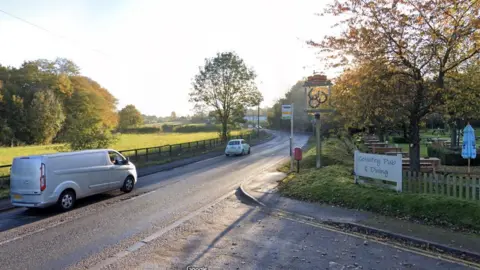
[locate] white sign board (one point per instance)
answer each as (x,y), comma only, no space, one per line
(381,167)
(286,111)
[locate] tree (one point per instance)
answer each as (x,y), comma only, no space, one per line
(129,117)
(225,85)
(85,127)
(45,117)
(422,41)
(33,97)
(365,96)
(295,95)
(461,102)
(173,116)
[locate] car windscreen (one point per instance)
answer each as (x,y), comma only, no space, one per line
(234,143)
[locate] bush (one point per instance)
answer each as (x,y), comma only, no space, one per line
(141,130)
(94,138)
(167,128)
(451,157)
(333,184)
(195,128)
(398,139)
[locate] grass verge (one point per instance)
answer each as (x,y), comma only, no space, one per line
(126,141)
(333,184)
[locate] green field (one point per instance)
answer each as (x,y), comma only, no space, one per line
(126,141)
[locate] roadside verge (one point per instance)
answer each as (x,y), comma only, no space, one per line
(263,190)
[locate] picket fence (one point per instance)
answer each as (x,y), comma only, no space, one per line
(449,185)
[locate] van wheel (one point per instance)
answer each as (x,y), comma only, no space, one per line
(66,200)
(128,184)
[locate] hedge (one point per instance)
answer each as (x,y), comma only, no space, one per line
(451,157)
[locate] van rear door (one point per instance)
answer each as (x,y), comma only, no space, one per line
(25,176)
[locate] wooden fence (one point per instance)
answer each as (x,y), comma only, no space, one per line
(157,153)
(455,186)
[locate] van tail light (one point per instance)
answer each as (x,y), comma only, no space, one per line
(43,177)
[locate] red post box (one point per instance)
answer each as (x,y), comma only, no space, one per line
(298,153)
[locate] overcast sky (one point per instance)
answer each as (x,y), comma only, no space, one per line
(147,52)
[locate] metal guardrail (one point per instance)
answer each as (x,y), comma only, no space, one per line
(157,153)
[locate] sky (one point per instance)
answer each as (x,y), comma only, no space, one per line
(146,52)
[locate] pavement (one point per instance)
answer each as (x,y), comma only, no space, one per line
(263,189)
(106,223)
(234,235)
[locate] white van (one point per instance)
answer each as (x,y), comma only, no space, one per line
(62,178)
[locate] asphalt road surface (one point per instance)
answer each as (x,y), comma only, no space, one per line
(43,239)
(233,235)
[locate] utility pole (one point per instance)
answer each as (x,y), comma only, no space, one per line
(319,142)
(291,141)
(258,120)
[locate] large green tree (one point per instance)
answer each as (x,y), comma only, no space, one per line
(225,85)
(45,117)
(85,127)
(129,117)
(424,40)
(35,97)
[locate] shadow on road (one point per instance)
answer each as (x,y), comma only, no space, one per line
(257,240)
(23,216)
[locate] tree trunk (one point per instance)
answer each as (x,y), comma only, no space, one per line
(405,131)
(381,135)
(224,130)
(414,148)
(453,134)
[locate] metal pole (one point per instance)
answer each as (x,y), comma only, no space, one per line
(291,140)
(258,120)
(319,143)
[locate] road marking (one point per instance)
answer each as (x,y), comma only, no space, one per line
(161,232)
(158,234)
(309,221)
(141,195)
(262,169)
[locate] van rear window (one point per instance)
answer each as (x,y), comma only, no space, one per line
(234,143)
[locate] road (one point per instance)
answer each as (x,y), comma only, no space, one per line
(47,240)
(196,220)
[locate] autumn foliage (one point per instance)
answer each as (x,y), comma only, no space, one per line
(401,56)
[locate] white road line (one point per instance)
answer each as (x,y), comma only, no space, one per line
(161,232)
(274,148)
(157,234)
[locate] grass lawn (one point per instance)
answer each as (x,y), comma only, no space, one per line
(126,141)
(333,184)
(423,149)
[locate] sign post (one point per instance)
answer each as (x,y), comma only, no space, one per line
(287,113)
(317,92)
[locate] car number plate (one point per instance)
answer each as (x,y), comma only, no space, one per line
(17,196)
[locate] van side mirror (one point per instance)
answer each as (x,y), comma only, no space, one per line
(127,160)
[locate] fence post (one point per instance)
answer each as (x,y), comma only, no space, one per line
(146,154)
(136,155)
(170,150)
(160,151)
(197,145)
